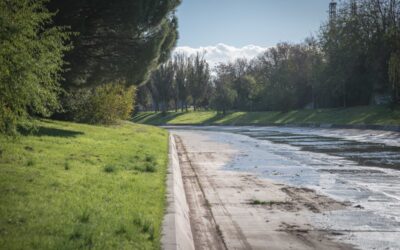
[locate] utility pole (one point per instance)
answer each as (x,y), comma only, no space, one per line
(353,6)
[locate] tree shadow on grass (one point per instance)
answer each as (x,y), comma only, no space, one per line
(160,118)
(213,120)
(141,116)
(46,131)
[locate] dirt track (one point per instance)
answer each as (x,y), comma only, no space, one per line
(236,210)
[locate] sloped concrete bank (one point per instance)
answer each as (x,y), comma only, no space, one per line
(176,230)
(388,128)
(392,128)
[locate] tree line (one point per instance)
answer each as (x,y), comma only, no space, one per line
(354,60)
(179,83)
(79,60)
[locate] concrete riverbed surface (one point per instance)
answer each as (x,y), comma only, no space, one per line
(291,188)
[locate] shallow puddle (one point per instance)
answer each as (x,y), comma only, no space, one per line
(370,154)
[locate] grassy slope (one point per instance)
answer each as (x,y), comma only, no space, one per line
(378,115)
(73,186)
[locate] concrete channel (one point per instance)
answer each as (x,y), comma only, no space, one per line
(282,188)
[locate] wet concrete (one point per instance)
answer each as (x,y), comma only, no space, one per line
(359,168)
(372,154)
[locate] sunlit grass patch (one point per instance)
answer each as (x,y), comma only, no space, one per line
(365,115)
(74,186)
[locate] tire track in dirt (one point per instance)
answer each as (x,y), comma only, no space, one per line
(206,232)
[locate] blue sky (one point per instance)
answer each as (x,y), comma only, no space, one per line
(242,22)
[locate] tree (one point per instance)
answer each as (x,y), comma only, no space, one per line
(315,66)
(224,95)
(242,82)
(358,45)
(394,76)
(181,80)
(31,61)
(144,101)
(198,79)
(162,85)
(252,92)
(121,40)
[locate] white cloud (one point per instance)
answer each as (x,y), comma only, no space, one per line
(223,53)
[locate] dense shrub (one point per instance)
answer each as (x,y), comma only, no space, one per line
(103,104)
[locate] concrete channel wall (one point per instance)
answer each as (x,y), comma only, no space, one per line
(176,230)
(389,128)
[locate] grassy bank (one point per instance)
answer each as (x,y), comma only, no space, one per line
(73,186)
(371,115)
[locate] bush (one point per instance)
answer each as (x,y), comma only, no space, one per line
(103,104)
(109,169)
(31,60)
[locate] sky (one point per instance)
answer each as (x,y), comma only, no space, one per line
(228,29)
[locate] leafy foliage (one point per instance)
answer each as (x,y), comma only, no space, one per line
(198,78)
(31,60)
(224,94)
(103,104)
(182,94)
(181,80)
(161,85)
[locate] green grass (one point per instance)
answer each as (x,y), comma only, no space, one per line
(370,115)
(74,186)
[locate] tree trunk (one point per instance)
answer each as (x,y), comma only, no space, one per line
(344,95)
(156,107)
(164,109)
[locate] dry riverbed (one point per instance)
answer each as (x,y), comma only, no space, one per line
(245,193)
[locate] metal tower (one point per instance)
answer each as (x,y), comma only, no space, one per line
(332,10)
(353,5)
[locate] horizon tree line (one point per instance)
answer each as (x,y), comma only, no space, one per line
(354,60)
